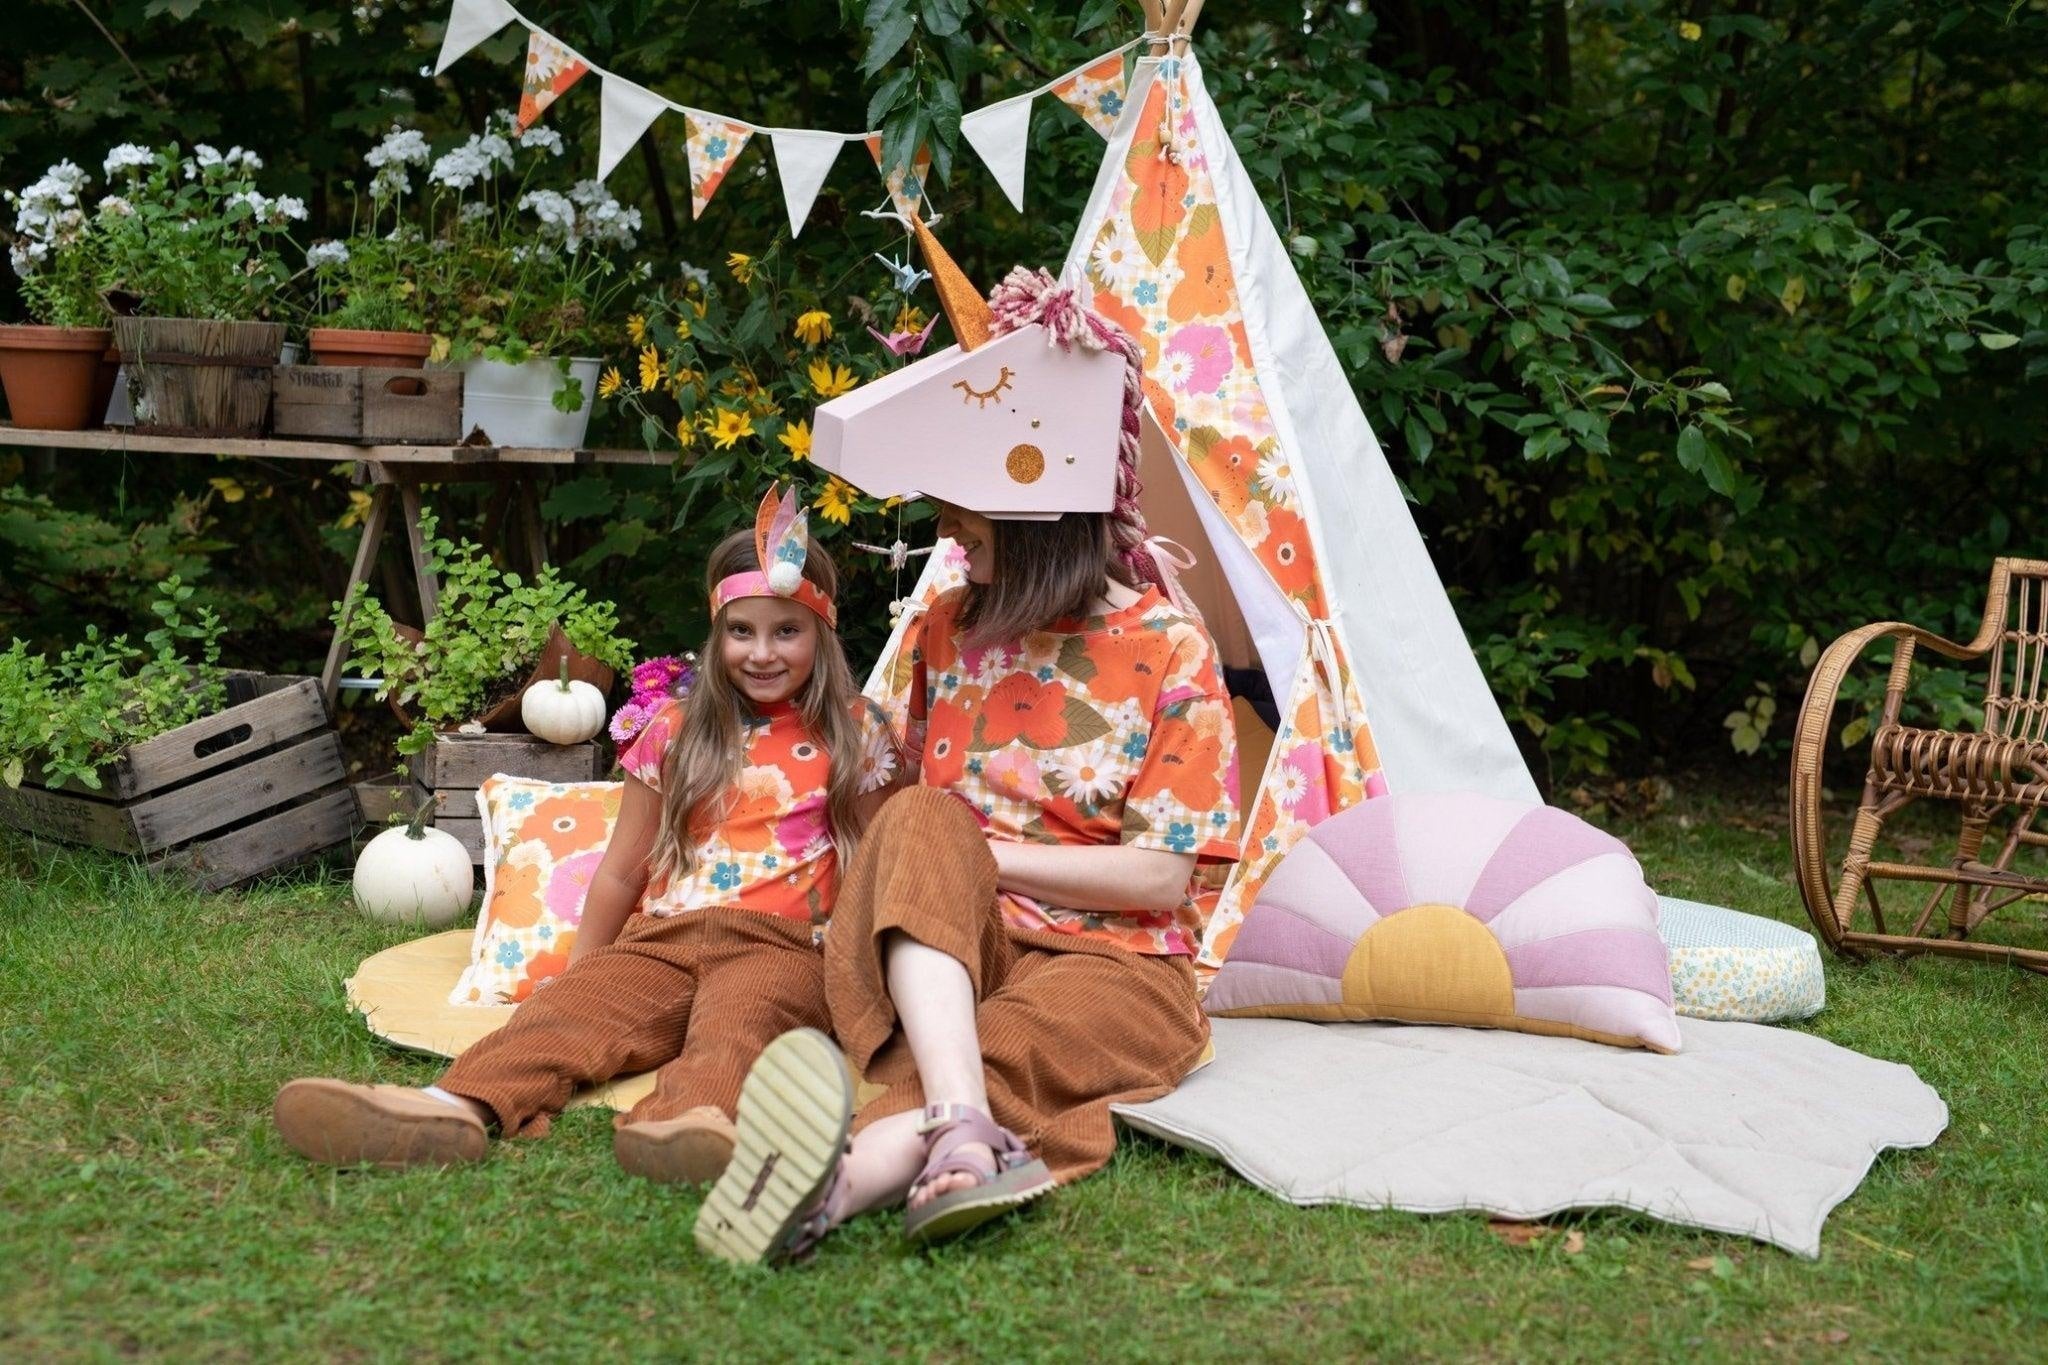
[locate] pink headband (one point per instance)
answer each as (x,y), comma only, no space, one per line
(782,543)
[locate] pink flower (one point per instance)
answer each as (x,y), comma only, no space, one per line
(1312,803)
(795,831)
(1207,350)
(570,884)
(629,720)
(656,680)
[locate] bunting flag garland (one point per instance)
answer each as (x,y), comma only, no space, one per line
(999,133)
(550,70)
(713,144)
(906,192)
(1001,136)
(802,159)
(627,110)
(1095,92)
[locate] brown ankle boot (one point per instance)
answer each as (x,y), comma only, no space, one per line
(392,1126)
(691,1149)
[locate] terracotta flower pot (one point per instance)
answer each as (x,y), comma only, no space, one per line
(503,718)
(385,350)
(50,373)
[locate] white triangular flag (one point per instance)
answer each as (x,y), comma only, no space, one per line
(1001,133)
(469,23)
(625,110)
(802,159)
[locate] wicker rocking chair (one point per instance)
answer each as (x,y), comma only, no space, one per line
(2000,773)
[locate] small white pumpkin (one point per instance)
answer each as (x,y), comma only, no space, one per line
(562,710)
(414,873)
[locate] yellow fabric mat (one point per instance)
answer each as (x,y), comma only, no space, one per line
(402,994)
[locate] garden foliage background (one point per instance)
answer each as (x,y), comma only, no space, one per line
(1698,333)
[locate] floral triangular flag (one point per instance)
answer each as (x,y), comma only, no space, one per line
(551,69)
(906,192)
(713,144)
(1095,92)
(802,159)
(1001,134)
(469,23)
(627,109)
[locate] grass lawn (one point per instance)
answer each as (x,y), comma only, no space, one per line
(147,1208)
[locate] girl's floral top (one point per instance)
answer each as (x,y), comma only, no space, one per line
(1115,729)
(773,850)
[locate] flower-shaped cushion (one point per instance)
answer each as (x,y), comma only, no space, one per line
(1456,908)
(543,842)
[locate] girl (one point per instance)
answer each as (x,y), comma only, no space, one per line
(697,944)
(1012,949)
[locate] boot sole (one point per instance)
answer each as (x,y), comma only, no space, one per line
(336,1124)
(678,1158)
(794,1113)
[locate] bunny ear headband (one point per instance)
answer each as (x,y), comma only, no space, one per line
(781,543)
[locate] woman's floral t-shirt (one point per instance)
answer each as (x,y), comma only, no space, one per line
(773,851)
(1117,730)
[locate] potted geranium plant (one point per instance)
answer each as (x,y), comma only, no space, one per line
(520,283)
(492,634)
(195,264)
(50,366)
(365,288)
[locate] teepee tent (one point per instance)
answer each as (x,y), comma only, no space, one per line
(1259,459)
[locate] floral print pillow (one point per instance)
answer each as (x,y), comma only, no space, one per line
(543,842)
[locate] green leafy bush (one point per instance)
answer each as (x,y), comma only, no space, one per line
(486,636)
(64,719)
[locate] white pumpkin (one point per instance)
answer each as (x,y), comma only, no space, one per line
(563,710)
(413,873)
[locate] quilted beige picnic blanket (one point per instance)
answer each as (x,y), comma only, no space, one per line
(1750,1129)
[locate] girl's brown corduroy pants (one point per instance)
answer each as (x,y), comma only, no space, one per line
(1068,1026)
(697,994)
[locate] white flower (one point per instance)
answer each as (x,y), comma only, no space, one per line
(1089,773)
(128,156)
(460,169)
(475,211)
(114,206)
(493,147)
(1276,476)
(695,274)
(400,147)
(542,139)
(390,182)
(1115,257)
(287,206)
(203,157)
(1289,785)
(557,215)
(327,253)
(258,204)
(248,160)
(588,194)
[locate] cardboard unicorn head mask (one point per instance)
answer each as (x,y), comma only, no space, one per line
(1023,419)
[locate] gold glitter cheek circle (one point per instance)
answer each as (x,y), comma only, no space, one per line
(1026,463)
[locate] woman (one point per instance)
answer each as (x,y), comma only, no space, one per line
(1012,950)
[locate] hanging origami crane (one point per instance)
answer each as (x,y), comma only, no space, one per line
(905,276)
(906,343)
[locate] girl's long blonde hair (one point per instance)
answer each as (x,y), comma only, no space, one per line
(703,761)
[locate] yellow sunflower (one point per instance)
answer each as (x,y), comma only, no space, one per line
(908,319)
(797,438)
(610,382)
(685,435)
(830,380)
(741,265)
(636,328)
(651,368)
(730,427)
(836,502)
(814,328)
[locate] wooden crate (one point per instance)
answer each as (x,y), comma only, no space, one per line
(454,766)
(367,404)
(245,791)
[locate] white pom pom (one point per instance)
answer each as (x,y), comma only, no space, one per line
(785,578)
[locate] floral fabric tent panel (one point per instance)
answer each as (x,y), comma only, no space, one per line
(1314,570)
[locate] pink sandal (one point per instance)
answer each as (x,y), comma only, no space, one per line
(1016,1178)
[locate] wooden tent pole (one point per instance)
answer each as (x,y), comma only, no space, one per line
(1155,22)
(1192,11)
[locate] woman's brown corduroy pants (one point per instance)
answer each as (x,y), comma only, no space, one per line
(697,994)
(1068,1026)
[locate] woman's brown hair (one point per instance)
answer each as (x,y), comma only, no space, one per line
(703,761)
(1045,572)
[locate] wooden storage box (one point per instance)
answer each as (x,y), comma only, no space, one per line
(219,801)
(455,765)
(370,405)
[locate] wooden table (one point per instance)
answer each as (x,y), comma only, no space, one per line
(391,470)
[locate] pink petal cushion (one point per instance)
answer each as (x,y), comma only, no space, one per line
(1456,908)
